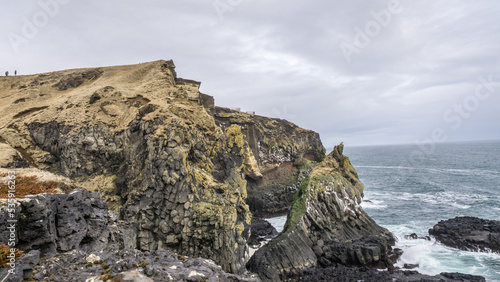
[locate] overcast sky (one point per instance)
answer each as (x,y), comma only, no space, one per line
(362,72)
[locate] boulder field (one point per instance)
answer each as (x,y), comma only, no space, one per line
(136,174)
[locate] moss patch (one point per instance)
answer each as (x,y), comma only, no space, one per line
(298,207)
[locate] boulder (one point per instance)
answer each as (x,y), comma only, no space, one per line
(57,222)
(261,230)
(414,236)
(367,251)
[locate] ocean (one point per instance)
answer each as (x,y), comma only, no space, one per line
(408,189)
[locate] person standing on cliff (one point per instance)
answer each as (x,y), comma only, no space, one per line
(7,73)
(15,72)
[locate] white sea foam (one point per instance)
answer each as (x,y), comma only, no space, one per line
(373,204)
(278,222)
(456,200)
(433,258)
(437,170)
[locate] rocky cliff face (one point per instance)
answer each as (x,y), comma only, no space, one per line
(77,238)
(159,151)
(276,154)
(325,226)
(175,174)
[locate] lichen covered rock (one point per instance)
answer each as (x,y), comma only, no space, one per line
(277,156)
(150,138)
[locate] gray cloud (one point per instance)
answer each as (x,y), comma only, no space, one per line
(284,59)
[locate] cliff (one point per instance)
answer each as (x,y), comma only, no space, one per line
(147,141)
(74,237)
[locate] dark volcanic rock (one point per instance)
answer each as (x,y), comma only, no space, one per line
(160,265)
(261,230)
(325,212)
(179,166)
(368,251)
(180,190)
(23,268)
(414,236)
(461,277)
(468,233)
(410,266)
(75,80)
(348,274)
(58,222)
(276,151)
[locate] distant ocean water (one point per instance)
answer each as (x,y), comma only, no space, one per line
(409,189)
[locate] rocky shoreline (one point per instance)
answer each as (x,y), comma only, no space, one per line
(132,174)
(469,234)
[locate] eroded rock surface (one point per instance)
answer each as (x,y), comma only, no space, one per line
(324,214)
(59,222)
(160,265)
(277,158)
(468,233)
(348,274)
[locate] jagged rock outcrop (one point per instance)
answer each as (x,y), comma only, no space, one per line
(325,214)
(78,239)
(468,233)
(261,230)
(54,223)
(276,157)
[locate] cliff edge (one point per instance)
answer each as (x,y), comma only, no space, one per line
(157,150)
(146,140)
